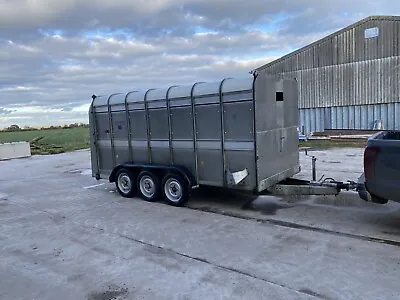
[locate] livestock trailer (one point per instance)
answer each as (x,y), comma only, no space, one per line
(234,133)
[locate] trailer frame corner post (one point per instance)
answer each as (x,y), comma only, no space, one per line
(170,133)
(196,155)
(94,138)
(222,111)
(146,109)
(129,126)
(255,75)
(111,130)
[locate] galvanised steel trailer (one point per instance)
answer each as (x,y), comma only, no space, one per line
(235,133)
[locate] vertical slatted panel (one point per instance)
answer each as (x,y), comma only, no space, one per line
(391,117)
(340,117)
(307,120)
(362,79)
(327,124)
(345,117)
(317,83)
(333,117)
(335,84)
(313,124)
(377,113)
(396,37)
(364,117)
(357,117)
(370,116)
(300,87)
(320,119)
(343,85)
(396,78)
(378,82)
(384,93)
(384,115)
(371,87)
(302,119)
(387,77)
(397,115)
(330,85)
(358,83)
(351,121)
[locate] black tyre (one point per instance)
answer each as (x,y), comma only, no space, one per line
(378,200)
(125,183)
(148,185)
(175,189)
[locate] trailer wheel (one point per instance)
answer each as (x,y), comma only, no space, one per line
(149,186)
(125,183)
(175,189)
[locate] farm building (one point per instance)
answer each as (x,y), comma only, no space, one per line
(349,79)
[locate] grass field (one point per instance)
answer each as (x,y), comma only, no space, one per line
(327,144)
(54,140)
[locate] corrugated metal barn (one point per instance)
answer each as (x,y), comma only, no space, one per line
(349,79)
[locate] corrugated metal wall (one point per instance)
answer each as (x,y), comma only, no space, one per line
(349,117)
(359,83)
(347,68)
(352,76)
(347,46)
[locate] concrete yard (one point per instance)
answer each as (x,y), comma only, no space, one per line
(63,235)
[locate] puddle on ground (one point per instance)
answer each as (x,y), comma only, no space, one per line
(64,165)
(87,172)
(340,200)
(74,171)
(80,171)
(266,206)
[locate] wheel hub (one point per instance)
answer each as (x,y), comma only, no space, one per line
(124,183)
(173,190)
(147,186)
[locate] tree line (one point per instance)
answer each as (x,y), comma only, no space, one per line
(15,127)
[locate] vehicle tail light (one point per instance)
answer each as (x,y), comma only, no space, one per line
(370,156)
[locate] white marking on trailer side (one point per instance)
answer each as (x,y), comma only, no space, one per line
(93,186)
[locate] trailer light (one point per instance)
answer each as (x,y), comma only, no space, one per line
(370,157)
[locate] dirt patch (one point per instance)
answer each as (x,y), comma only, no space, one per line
(113,293)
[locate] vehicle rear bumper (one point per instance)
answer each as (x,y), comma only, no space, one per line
(362,189)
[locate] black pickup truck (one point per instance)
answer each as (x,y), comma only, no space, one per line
(380,181)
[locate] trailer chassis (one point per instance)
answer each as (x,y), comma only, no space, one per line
(175,183)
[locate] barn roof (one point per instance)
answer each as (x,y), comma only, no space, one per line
(354,25)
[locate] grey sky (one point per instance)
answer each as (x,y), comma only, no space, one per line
(54,56)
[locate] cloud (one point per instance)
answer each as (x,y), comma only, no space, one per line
(4,111)
(54,57)
(159,16)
